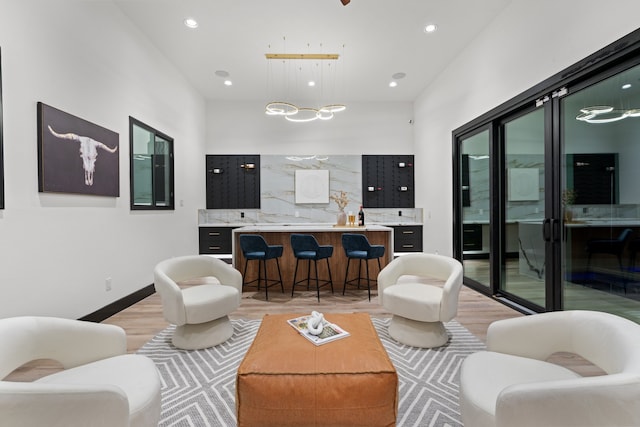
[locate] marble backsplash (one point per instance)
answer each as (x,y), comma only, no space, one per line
(590,212)
(532,208)
(580,212)
(278,201)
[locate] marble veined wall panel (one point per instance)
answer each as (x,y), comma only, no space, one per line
(278,201)
(516,210)
(278,192)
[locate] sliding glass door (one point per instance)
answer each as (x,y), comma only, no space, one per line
(476,212)
(524,257)
(600,136)
(547,211)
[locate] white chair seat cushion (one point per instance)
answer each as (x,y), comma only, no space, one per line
(135,375)
(209,302)
(415,301)
(486,374)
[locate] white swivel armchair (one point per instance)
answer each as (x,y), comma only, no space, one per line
(419,308)
(101,385)
(512,384)
(199,312)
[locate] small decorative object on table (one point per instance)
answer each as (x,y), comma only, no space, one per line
(315,323)
(316,329)
(342,201)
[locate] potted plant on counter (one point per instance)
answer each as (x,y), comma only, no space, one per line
(342,201)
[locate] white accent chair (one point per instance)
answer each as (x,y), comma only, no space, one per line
(512,384)
(101,385)
(200,312)
(419,308)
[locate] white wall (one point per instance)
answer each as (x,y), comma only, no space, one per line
(529,42)
(56,250)
(363,128)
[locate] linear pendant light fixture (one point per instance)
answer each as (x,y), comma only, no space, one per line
(292,112)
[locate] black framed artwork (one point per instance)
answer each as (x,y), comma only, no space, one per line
(76,156)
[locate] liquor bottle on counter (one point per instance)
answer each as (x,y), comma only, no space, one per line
(361,217)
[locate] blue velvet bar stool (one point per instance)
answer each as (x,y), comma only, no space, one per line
(613,247)
(254,247)
(357,246)
(306,247)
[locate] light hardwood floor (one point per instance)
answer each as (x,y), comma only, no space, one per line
(144,320)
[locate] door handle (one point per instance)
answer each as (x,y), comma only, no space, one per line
(555,230)
(546,229)
(551,230)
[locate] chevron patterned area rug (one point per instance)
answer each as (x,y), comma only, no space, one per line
(198,387)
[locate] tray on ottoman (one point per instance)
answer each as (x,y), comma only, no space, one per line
(285,380)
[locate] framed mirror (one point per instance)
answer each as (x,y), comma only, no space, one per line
(151,168)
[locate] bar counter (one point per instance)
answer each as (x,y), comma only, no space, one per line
(325,234)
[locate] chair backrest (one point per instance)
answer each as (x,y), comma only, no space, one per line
(606,340)
(168,273)
(303,242)
(434,266)
(355,242)
(252,243)
(70,342)
(63,401)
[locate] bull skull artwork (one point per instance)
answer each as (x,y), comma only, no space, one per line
(88,152)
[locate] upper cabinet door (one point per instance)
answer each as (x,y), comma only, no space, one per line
(388,181)
(233,181)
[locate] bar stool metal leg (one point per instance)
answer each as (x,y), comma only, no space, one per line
(279,275)
(315,263)
(266,279)
(306,247)
(330,278)
(346,276)
(295,274)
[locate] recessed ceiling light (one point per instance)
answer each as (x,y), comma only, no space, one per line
(191,23)
(222,73)
(228,83)
(430,28)
(398,76)
(393,84)
(311,83)
(626,86)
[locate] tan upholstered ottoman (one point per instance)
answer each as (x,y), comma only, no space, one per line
(285,380)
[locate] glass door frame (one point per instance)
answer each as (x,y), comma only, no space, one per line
(602,75)
(595,67)
(554,231)
(458,220)
(549,169)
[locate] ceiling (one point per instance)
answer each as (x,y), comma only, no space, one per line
(374,38)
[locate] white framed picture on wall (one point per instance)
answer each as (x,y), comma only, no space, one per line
(524,184)
(311,186)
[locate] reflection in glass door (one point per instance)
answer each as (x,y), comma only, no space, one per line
(600,178)
(557,205)
(475,174)
(523,260)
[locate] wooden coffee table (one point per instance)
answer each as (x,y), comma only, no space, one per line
(285,380)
